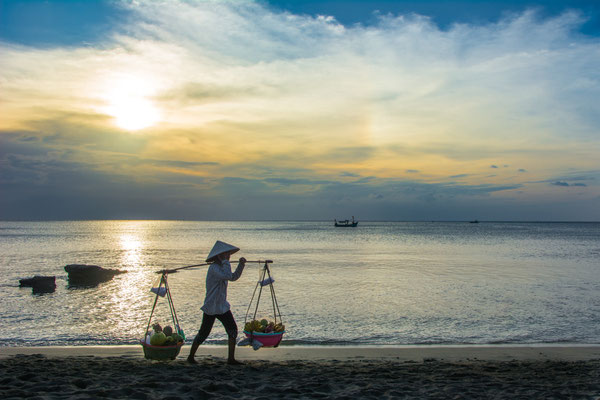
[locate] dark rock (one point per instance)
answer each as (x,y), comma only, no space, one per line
(39,284)
(89,275)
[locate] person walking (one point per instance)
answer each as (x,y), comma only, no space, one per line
(215,302)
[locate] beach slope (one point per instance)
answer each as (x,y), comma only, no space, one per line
(304,372)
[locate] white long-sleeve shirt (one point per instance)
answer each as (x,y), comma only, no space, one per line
(217,277)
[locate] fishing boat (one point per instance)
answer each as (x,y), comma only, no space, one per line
(345,223)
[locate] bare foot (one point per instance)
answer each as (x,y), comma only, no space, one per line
(234,362)
(191,360)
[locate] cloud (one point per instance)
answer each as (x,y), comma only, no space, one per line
(201,93)
(252,99)
(350,154)
(589,176)
(573,178)
(365,179)
(565,184)
(290,182)
(178,163)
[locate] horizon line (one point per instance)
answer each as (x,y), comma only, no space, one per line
(292,220)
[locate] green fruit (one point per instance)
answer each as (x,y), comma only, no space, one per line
(168,330)
(264,322)
(176,338)
(158,339)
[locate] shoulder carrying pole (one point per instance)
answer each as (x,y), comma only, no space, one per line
(171,271)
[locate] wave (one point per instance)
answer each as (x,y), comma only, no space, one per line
(288,342)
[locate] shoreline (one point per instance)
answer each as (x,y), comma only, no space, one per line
(401,353)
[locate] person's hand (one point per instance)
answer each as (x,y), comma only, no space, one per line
(242,260)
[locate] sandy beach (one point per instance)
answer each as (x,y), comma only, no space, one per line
(444,372)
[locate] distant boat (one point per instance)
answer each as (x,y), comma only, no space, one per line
(345,223)
(474,221)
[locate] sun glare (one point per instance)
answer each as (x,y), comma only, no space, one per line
(133,114)
(129,103)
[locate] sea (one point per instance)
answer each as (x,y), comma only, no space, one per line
(381,283)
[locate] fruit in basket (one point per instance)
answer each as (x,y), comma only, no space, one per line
(157,328)
(176,338)
(253,326)
(264,326)
(169,341)
(256,326)
(158,339)
(167,330)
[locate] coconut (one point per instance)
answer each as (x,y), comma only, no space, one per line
(158,339)
(169,341)
(176,338)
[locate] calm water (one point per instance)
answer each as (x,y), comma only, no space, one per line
(380,283)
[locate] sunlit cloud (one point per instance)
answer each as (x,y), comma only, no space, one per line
(223,98)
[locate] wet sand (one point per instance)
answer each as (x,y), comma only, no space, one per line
(442,372)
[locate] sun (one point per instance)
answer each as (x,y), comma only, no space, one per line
(133,113)
(129,102)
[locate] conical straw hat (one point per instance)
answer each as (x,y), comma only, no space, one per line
(220,248)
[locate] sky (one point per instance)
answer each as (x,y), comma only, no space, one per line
(300,110)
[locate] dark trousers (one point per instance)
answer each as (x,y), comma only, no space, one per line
(207,324)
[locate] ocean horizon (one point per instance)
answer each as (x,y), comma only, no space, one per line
(302,220)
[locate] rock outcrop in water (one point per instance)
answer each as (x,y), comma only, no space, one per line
(89,275)
(39,284)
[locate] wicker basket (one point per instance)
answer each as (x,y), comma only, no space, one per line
(161,353)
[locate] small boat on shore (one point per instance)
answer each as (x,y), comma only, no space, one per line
(345,223)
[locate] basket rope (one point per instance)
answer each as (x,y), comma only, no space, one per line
(266,272)
(163,281)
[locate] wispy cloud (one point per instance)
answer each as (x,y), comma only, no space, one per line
(566,184)
(282,101)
